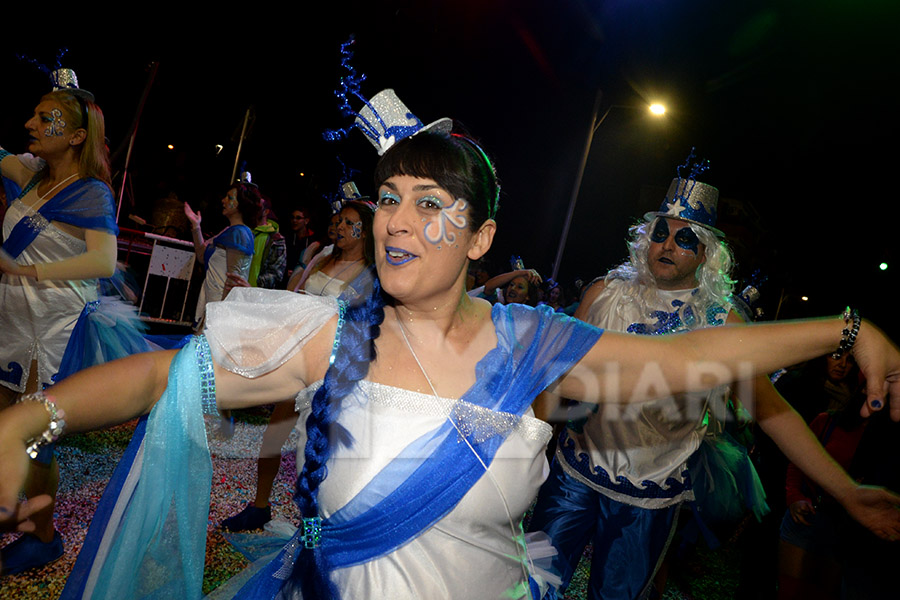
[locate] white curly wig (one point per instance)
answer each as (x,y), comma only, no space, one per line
(714,275)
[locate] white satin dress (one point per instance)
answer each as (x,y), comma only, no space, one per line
(37,317)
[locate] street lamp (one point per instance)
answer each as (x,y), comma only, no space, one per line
(655,109)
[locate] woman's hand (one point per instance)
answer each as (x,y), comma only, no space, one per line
(879,360)
(800,510)
(233,280)
(532,276)
(193,217)
(876,509)
(9,266)
(14,465)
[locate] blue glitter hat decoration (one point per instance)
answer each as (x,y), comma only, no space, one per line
(384,119)
(747,303)
(61,78)
(690,200)
(347,192)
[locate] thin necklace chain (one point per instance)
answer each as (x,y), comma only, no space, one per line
(51,190)
(333,277)
(512,526)
(414,355)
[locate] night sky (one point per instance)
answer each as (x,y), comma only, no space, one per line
(791,102)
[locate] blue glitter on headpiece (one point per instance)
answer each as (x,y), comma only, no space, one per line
(690,200)
(61,78)
(747,302)
(384,119)
(697,168)
(350,85)
(45,69)
(347,190)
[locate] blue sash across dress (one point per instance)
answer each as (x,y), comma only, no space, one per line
(534,348)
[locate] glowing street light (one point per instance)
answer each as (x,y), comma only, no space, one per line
(655,109)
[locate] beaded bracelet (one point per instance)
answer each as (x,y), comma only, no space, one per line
(54,429)
(848,335)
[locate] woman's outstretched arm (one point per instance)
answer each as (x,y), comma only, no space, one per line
(631,368)
(123,389)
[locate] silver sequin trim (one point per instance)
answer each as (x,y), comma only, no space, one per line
(287,560)
(37,222)
(342,310)
(476,421)
(207,376)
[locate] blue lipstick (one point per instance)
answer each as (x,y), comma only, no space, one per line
(398,260)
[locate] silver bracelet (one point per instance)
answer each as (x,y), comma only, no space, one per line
(54,429)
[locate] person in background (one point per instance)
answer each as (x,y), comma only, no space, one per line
(344,268)
(349,192)
(269,250)
(620,477)
(59,242)
(229,251)
(808,557)
(301,244)
(519,286)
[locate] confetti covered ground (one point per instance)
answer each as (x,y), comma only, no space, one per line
(87,461)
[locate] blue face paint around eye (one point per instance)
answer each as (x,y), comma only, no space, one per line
(685,238)
(433,201)
(660,232)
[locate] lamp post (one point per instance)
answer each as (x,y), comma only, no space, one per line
(655,109)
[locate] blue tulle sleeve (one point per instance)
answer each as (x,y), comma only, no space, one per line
(236,237)
(87,203)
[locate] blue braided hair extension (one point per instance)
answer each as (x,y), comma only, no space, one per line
(362,326)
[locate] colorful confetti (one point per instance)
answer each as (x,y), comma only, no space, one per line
(87,461)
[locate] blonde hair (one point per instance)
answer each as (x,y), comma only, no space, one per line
(93,155)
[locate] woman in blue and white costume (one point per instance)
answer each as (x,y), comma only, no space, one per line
(229,251)
(59,236)
(421,451)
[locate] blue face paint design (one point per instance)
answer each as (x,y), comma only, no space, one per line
(355,229)
(660,232)
(451,215)
(388,198)
(685,238)
(56,125)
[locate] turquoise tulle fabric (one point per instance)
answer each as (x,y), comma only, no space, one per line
(107,329)
(155,544)
(725,481)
